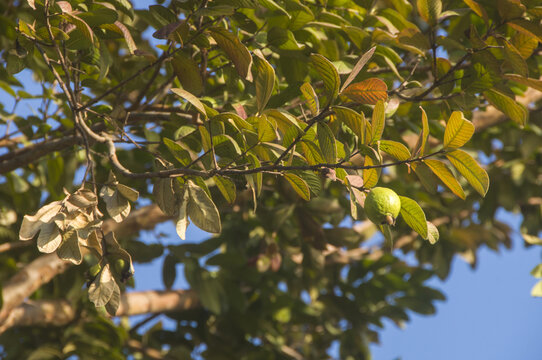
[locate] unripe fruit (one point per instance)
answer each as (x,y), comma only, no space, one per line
(382,206)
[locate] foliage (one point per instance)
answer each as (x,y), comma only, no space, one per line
(265,123)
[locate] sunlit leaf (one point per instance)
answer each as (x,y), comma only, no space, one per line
(102,288)
(327,142)
(419,149)
(429,10)
(378,121)
(226,187)
(414,216)
(357,68)
(191,99)
(530,82)
(370,176)
(354,120)
(299,185)
(368,91)
(469,168)
(446,176)
(395,149)
(312,152)
(201,210)
(510,107)
(458,130)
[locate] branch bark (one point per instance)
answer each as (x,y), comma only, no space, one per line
(61,312)
(46,267)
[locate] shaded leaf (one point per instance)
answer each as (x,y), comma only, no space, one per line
(102,288)
(169,271)
(312,152)
(236,51)
(69,249)
(264,79)
(329,74)
(182,155)
(202,210)
(311,98)
(354,120)
(187,71)
(530,82)
(226,187)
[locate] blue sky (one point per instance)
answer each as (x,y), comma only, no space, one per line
(489,313)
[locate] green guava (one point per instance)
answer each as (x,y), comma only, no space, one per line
(382,206)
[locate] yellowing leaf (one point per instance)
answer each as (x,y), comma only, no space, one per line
(264,80)
(469,168)
(395,149)
(530,82)
(327,142)
(378,121)
(236,51)
(414,216)
(370,176)
(191,99)
(419,149)
(458,130)
(429,10)
(510,107)
(329,74)
(446,176)
(477,8)
(529,28)
(368,91)
(524,43)
(310,97)
(299,185)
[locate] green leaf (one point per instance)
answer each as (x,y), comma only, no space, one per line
(414,216)
(445,175)
(299,185)
(477,8)
(226,187)
(311,98)
(458,130)
(188,73)
(515,60)
(264,80)
(508,106)
(354,120)
(329,74)
(164,195)
(327,142)
(202,210)
(469,168)
(312,152)
(266,131)
(426,177)
(236,51)
(525,44)
(368,91)
(357,68)
(378,121)
(169,271)
(182,155)
(395,149)
(191,99)
(429,10)
(272,5)
(102,288)
(530,82)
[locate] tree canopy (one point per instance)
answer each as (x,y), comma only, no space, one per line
(267,124)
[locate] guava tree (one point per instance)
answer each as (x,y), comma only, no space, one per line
(266,124)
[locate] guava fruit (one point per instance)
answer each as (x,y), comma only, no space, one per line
(382,206)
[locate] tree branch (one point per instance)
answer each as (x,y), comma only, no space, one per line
(46,267)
